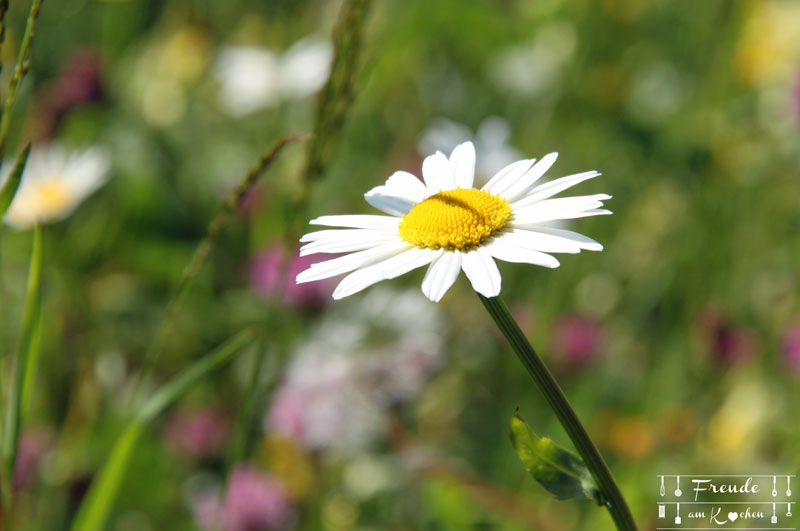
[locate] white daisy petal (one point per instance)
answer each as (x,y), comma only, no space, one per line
(585,242)
(399,194)
(561,208)
(441,274)
(342,246)
(482,272)
(437,173)
(392,205)
(404,184)
(521,185)
(358,221)
(550,189)
(538,241)
(387,269)
(521,255)
(556,216)
(462,163)
(507,176)
(349,262)
(346,234)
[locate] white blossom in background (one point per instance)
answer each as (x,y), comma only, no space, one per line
(253,78)
(534,67)
(54,183)
(362,358)
(248,78)
(304,67)
(492,143)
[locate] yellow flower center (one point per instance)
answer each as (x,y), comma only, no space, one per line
(53,197)
(455,219)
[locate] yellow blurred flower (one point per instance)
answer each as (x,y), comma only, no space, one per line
(633,437)
(734,429)
(769,47)
(55,181)
(290,464)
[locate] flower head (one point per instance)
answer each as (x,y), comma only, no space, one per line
(577,339)
(253,502)
(197,433)
(791,347)
(55,181)
(446,224)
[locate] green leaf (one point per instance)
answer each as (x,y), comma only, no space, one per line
(97,504)
(9,189)
(561,472)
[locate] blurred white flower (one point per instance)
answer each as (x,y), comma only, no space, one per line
(54,182)
(252,78)
(304,67)
(248,77)
(492,143)
(359,361)
(534,67)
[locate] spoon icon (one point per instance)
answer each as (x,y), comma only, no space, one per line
(774,490)
(788,486)
(678,489)
(662,491)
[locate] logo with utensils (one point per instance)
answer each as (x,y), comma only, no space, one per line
(716,501)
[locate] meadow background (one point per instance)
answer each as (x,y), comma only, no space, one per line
(678,345)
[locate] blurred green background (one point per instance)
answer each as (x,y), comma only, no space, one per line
(679,345)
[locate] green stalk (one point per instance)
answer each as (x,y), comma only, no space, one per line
(23,65)
(614,501)
(336,97)
(11,185)
(96,506)
(20,370)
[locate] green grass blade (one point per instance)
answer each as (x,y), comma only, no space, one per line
(32,363)
(9,189)
(100,498)
(22,365)
(97,504)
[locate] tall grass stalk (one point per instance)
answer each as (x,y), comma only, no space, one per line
(23,65)
(203,251)
(336,97)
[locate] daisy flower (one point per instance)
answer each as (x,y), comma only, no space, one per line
(55,181)
(446,224)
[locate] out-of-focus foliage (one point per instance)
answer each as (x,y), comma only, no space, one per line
(678,344)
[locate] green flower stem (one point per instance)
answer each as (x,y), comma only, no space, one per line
(612,496)
(22,369)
